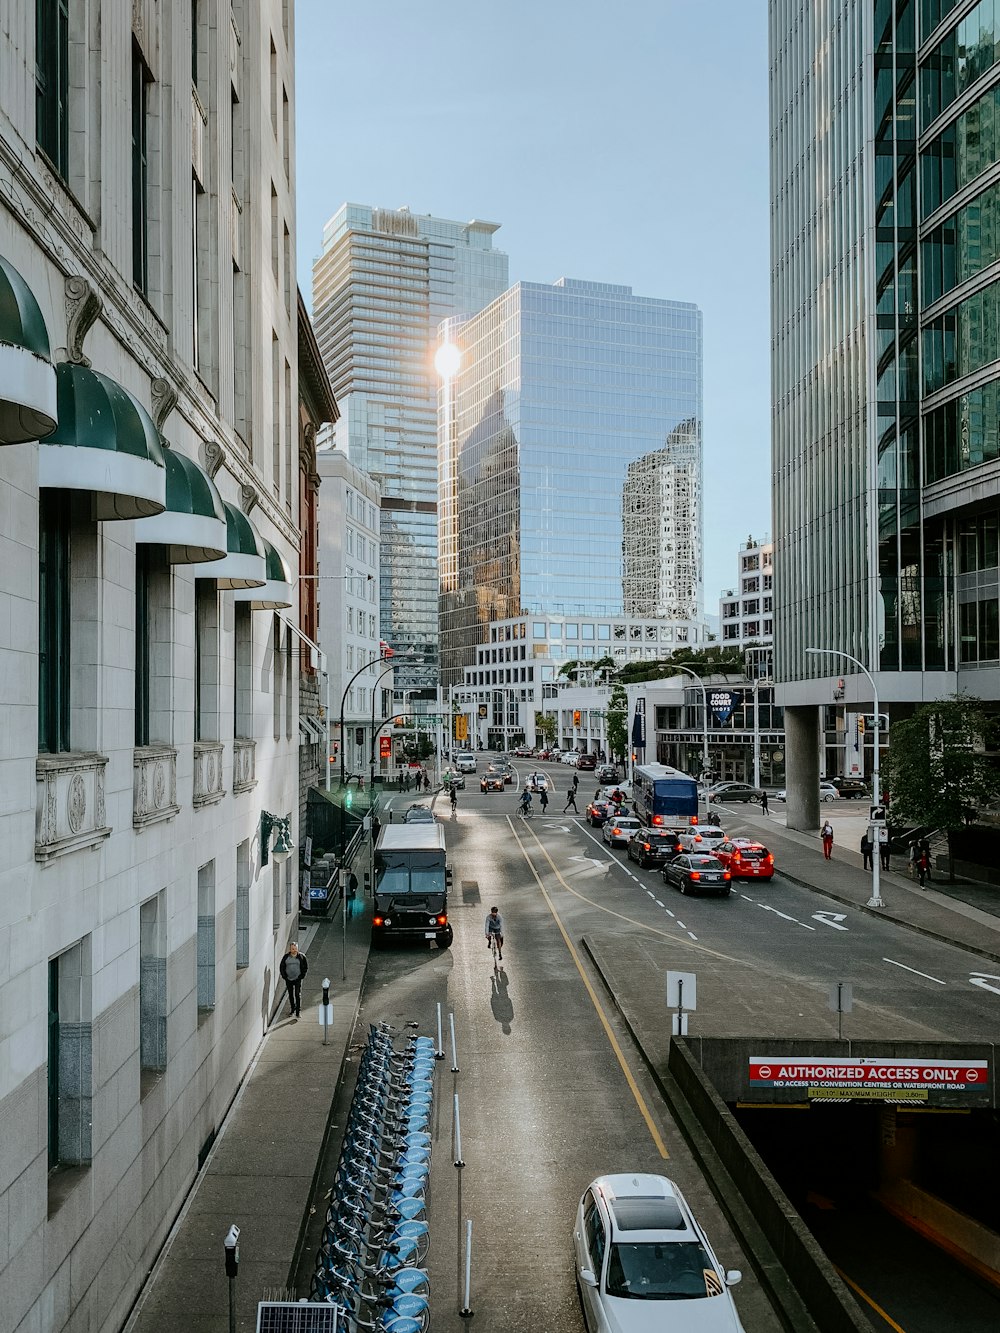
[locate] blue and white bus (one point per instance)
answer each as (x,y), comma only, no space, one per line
(664,797)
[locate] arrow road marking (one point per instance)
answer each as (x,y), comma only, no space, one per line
(983,979)
(766,907)
(831,919)
(925,975)
(591,861)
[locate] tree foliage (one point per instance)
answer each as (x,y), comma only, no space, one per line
(545,726)
(617,728)
(938,768)
(703,661)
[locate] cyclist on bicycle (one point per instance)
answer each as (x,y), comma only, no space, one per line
(525,802)
(494,928)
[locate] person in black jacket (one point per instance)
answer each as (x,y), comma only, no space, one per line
(293,968)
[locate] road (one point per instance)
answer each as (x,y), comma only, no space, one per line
(552,1092)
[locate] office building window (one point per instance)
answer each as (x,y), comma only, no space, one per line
(140,172)
(206,937)
(206,661)
(70,1080)
(54,651)
(143,654)
(243,904)
(52,82)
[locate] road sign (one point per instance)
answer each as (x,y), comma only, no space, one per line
(876,814)
(866,722)
(878,833)
(682,987)
(841,997)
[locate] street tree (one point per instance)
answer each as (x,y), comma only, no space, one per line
(617,728)
(939,770)
(545,726)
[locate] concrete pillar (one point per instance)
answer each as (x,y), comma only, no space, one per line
(802,767)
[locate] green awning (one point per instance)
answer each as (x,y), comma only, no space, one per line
(276,593)
(193,525)
(243,565)
(27,376)
(104,442)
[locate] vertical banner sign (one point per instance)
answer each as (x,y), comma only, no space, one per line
(461,727)
(384,747)
(639,725)
(722,703)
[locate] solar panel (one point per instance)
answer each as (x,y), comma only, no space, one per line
(648,1213)
(298,1317)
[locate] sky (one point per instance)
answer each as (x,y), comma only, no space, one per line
(623,142)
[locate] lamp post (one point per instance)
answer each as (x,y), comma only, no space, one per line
(704,704)
(876,899)
(371,766)
(396,657)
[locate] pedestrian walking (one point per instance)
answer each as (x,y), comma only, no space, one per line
(883,854)
(427,781)
(826,833)
(763,804)
(543,800)
(866,852)
(576,782)
(923,865)
(571,801)
(293,968)
(925,856)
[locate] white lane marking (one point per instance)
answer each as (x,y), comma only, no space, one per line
(766,907)
(649,893)
(926,975)
(669,913)
(983,980)
(831,919)
(657,901)
(746,898)
(682,925)
(692,934)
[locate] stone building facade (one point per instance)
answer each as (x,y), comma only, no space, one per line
(149,524)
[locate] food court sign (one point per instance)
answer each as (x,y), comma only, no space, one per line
(872,1080)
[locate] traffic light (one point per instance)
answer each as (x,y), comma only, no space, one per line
(861,724)
(348,798)
(576,717)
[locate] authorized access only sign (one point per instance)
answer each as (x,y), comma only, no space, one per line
(887,1080)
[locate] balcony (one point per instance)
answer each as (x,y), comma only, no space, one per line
(70,804)
(208,788)
(244,765)
(154,785)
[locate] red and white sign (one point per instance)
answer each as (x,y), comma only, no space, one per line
(385,747)
(820,1072)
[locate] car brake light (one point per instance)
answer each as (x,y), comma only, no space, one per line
(726,874)
(736,856)
(695,874)
(657,819)
(378,921)
(442,920)
(769,859)
(697,838)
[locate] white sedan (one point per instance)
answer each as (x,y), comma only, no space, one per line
(827,792)
(644,1263)
(537,782)
(704,838)
(618,829)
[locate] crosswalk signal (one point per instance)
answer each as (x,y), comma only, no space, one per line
(861,725)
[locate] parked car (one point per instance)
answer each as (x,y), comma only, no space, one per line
(827,792)
(419,814)
(587,761)
(597,812)
(696,872)
(746,859)
(732,791)
(606,773)
(702,838)
(523,752)
(491,782)
(569,757)
(653,846)
(619,828)
(537,782)
(851,789)
(643,1262)
(451,777)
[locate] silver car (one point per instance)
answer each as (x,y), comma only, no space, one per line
(644,1263)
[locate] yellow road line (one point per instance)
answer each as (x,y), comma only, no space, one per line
(868,1300)
(640,1101)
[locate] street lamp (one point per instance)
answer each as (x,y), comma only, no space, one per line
(281,848)
(382,657)
(876,899)
(704,703)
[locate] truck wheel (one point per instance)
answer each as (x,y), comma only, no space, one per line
(445,938)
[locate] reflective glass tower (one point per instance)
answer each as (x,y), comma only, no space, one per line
(570,462)
(885,133)
(385,280)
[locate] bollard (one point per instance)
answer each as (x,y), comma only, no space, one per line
(232,1248)
(458,1136)
(439,1053)
(326,1011)
(466,1310)
(454,1055)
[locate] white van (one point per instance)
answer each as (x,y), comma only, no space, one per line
(465,761)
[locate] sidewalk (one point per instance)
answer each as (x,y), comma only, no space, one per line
(933,911)
(259,1174)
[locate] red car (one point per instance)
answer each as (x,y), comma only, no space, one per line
(745,859)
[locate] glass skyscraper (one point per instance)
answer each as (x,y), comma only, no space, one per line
(570,463)
(385,280)
(885,134)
